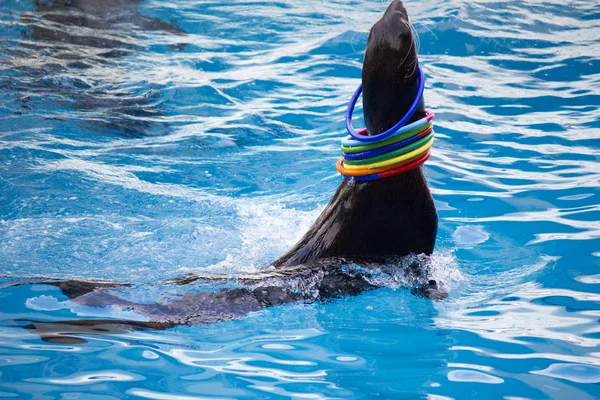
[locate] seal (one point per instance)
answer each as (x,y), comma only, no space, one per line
(365,222)
(385,218)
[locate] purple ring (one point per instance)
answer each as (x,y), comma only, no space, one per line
(381,150)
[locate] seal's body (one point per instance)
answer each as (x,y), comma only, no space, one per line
(365,222)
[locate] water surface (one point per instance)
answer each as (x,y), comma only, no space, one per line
(144,140)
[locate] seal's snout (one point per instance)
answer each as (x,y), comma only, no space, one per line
(394,28)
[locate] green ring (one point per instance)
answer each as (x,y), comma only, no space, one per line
(392,154)
(393,139)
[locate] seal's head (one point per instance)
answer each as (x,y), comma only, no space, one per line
(389,72)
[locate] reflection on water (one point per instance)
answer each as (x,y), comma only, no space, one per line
(70,54)
(141,141)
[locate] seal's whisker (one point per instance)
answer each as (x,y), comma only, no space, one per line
(352,41)
(415,37)
(428,29)
(408,52)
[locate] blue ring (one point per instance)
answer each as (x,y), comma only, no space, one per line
(393,129)
(365,178)
(381,150)
(348,141)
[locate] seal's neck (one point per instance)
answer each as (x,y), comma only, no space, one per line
(384,105)
(390,69)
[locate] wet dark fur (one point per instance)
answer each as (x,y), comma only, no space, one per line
(364,222)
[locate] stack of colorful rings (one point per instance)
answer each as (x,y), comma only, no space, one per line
(397,150)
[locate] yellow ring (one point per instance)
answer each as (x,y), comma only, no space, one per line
(395,160)
(342,170)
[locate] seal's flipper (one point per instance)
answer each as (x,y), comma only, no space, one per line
(73,289)
(70,332)
(431,290)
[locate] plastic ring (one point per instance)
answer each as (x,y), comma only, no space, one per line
(392,172)
(397,126)
(348,141)
(392,161)
(388,148)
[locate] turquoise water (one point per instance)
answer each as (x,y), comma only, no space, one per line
(144,140)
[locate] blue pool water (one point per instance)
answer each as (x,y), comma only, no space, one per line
(144,140)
